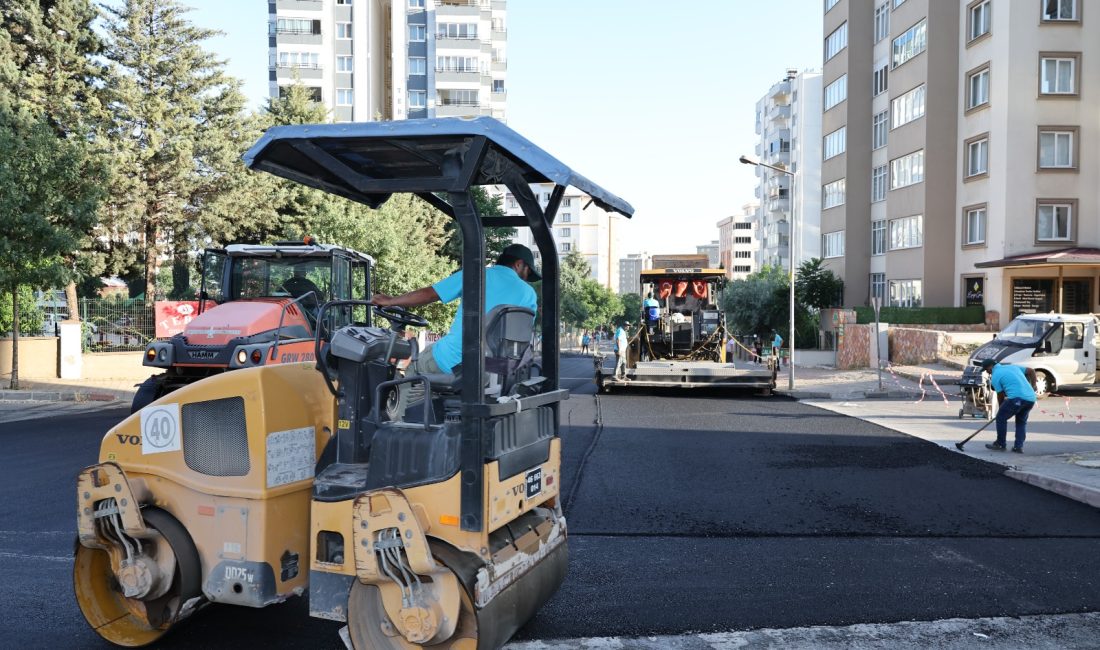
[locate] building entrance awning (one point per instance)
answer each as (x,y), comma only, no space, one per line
(1060,257)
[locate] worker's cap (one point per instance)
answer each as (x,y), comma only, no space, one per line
(521,252)
(986,364)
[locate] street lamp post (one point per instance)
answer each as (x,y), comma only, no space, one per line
(791,245)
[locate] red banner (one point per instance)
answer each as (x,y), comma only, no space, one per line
(173,315)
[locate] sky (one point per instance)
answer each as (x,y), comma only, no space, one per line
(652,100)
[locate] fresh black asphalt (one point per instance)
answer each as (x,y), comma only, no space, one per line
(686,512)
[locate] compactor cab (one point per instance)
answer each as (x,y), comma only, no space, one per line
(433,522)
(258,306)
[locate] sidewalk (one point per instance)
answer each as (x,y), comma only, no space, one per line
(1062,452)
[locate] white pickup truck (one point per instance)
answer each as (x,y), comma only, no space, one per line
(1061,348)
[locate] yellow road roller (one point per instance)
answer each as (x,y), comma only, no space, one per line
(422,510)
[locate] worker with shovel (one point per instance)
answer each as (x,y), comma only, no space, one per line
(1017,401)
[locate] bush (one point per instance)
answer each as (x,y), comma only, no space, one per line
(922,315)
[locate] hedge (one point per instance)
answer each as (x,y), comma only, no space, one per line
(922,315)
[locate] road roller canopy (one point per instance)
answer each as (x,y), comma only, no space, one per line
(367,162)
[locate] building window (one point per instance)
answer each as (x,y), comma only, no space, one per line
(299,60)
(459,31)
(907,170)
(417,33)
(1059,10)
(878,237)
(908,107)
(898,3)
(878,184)
(344,64)
(882,21)
(832,244)
(458,97)
(910,43)
(879,79)
(836,92)
(907,232)
(977,88)
(1056,150)
(832,194)
(418,65)
(566,232)
(1058,75)
(343,97)
(978,18)
(879,130)
(1055,222)
(567,202)
(742,255)
(905,293)
(416,4)
(741,268)
(418,99)
(299,26)
(343,31)
(878,285)
(977,156)
(835,142)
(974,226)
(565,247)
(498,85)
(346,3)
(456,64)
(742,240)
(829,4)
(836,41)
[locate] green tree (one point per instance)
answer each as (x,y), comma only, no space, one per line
(49,196)
(632,309)
(30,316)
(759,303)
(817,288)
(574,271)
(177,131)
(50,69)
(496,238)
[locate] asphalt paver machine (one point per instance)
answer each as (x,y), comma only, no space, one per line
(440,528)
(257,306)
(685,346)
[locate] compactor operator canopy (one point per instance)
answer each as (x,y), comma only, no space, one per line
(439,160)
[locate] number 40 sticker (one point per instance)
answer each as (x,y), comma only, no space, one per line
(160,428)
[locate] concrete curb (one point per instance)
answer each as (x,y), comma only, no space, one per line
(54,396)
(840,397)
(1068,489)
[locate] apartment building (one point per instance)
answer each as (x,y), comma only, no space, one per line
(788,121)
(889,148)
(738,243)
(392,59)
(1027,235)
(630,271)
(711,251)
(580,226)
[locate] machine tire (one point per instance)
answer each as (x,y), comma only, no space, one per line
(1044,384)
(109,613)
(367,618)
(148,392)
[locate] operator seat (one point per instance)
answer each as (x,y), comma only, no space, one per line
(509,332)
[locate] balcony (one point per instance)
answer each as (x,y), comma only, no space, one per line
(779,114)
(457,75)
(499,66)
(779,204)
(780,91)
(777,158)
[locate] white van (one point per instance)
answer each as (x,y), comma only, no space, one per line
(1061,348)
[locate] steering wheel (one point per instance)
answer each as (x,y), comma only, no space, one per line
(400,316)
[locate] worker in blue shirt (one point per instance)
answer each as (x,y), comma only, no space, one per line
(777,345)
(1018,398)
(652,310)
(505,284)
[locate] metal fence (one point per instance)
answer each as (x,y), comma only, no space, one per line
(116,325)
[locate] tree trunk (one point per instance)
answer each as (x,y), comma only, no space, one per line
(74,304)
(14,337)
(150,262)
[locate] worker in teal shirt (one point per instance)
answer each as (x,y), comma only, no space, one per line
(505,284)
(1018,399)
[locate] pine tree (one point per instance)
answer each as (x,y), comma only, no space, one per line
(49,72)
(177,130)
